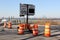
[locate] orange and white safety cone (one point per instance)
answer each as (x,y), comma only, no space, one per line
(21,29)
(35,30)
(47,30)
(9,25)
(5,24)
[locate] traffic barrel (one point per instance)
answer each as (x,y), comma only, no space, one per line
(35,30)
(27,26)
(5,24)
(21,29)
(9,25)
(35,26)
(47,30)
(31,27)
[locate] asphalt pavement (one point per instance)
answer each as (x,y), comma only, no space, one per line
(11,34)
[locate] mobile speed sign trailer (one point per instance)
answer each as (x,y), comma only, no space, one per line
(28,10)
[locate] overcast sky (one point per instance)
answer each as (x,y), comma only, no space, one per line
(44,8)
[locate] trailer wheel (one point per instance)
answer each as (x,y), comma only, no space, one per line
(30,31)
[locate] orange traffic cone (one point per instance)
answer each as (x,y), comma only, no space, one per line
(47,30)
(21,29)
(9,25)
(5,24)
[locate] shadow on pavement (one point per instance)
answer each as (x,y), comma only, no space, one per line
(55,35)
(55,31)
(31,37)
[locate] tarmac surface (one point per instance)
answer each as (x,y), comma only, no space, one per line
(11,34)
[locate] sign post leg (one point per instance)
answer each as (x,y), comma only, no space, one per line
(27,18)
(27,15)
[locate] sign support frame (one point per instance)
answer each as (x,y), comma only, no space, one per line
(27,16)
(27,12)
